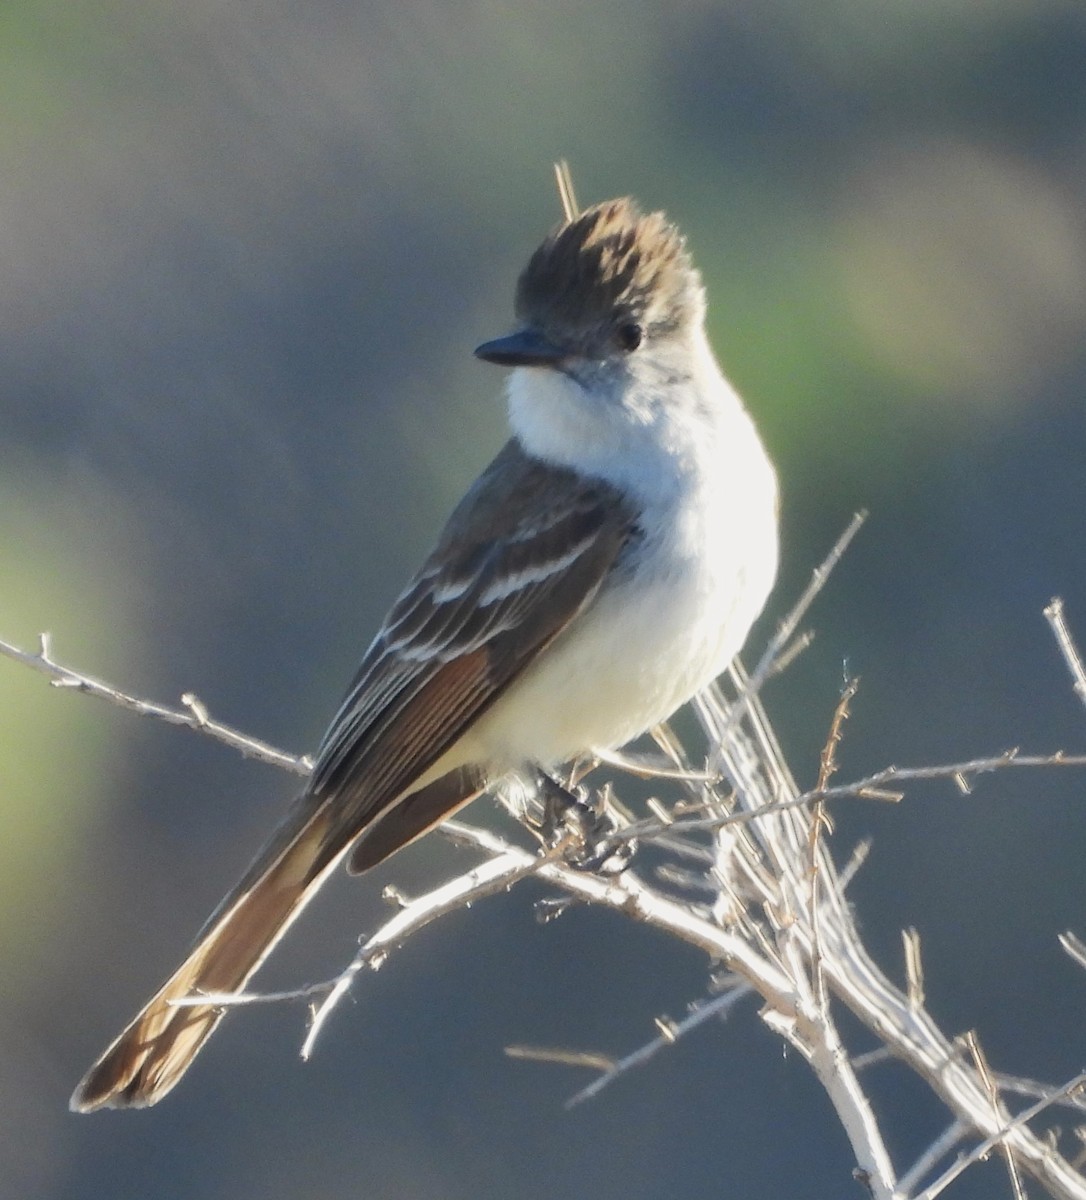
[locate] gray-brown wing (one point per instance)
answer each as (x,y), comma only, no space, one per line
(524,553)
(482,607)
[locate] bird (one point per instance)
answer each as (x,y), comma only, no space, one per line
(606,566)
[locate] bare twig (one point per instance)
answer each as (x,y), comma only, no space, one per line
(717,1006)
(497,874)
(563,177)
(954,1134)
(914,967)
(1074,946)
(1054,615)
(648,766)
(998,1108)
(779,645)
(193,716)
(1007,760)
(984,1148)
(787,629)
(564,1058)
(820,821)
(761,897)
(870,787)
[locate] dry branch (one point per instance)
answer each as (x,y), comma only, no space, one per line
(768,907)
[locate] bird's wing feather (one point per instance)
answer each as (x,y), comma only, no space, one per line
(484,604)
(525,552)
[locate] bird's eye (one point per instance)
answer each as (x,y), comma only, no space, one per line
(629,335)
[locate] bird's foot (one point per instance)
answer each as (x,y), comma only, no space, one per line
(583,826)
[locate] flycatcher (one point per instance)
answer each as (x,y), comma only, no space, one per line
(606,566)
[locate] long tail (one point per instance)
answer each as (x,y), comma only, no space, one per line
(152,1054)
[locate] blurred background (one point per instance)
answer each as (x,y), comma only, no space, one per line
(246,253)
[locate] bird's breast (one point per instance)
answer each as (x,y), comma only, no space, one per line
(672,614)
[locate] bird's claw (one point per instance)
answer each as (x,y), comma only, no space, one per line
(580,823)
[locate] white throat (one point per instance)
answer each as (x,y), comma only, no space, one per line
(678,424)
(674,614)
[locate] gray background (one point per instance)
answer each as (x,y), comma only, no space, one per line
(246,252)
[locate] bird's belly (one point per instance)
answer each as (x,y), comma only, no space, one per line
(644,648)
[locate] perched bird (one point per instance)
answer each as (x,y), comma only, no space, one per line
(606,566)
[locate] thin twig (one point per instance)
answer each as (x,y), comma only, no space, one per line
(998,1108)
(1054,615)
(855,861)
(193,716)
(1018,1086)
(955,1132)
(652,766)
(718,1006)
(761,926)
(562,1058)
(914,967)
(778,646)
(790,653)
(868,788)
(1009,759)
(786,630)
(820,821)
(506,867)
(563,177)
(497,874)
(985,1147)
(1074,946)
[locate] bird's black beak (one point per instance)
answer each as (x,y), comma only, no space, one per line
(525,348)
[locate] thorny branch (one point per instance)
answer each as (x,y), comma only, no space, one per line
(193,715)
(750,844)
